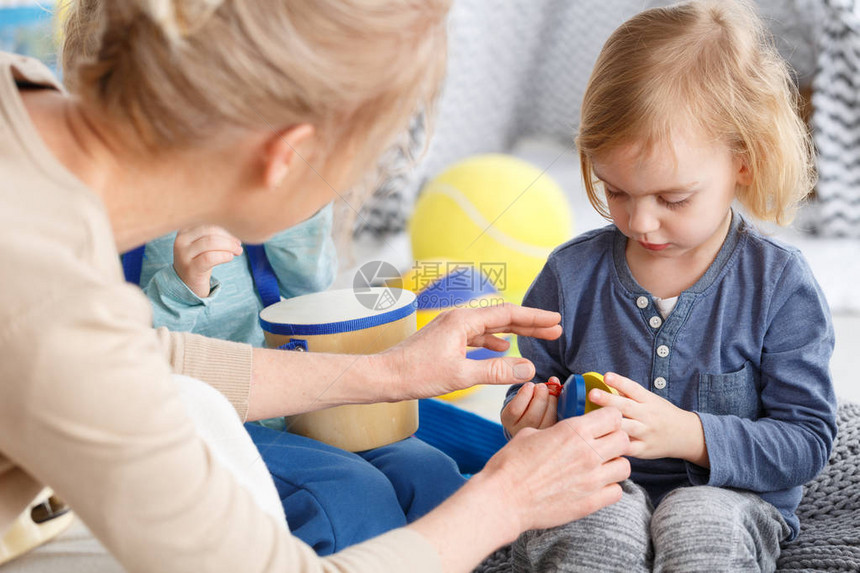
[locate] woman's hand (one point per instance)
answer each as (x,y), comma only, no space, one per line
(540,479)
(566,471)
(433,361)
(657,428)
(429,363)
(533,407)
(196,251)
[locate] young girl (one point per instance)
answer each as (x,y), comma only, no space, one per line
(717,336)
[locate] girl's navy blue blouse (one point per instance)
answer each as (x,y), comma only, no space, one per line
(747,348)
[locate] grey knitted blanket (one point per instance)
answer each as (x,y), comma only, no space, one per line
(829,513)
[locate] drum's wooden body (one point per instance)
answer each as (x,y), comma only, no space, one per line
(337,322)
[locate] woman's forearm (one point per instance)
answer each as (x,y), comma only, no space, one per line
(471,524)
(284,383)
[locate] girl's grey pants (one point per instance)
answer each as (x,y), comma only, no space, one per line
(699,528)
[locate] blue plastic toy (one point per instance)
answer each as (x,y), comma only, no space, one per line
(573,398)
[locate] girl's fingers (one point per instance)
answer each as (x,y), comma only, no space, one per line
(603,398)
(626,386)
(549,414)
(536,408)
(518,404)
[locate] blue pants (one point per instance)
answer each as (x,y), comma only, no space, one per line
(334,498)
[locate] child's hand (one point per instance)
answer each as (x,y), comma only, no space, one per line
(657,428)
(198,250)
(532,407)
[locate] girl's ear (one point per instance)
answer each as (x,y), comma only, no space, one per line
(281,153)
(744,173)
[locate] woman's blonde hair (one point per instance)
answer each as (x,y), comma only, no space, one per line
(710,62)
(184,71)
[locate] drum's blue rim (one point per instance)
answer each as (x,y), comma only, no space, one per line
(338,327)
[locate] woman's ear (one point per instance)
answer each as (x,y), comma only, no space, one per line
(744,173)
(282,155)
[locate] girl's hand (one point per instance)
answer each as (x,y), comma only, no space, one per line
(534,406)
(433,361)
(196,251)
(657,428)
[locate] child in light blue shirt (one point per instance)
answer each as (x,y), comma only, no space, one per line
(203,280)
(303,257)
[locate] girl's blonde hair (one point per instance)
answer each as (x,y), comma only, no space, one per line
(184,71)
(712,63)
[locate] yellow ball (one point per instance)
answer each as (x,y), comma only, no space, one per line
(499,213)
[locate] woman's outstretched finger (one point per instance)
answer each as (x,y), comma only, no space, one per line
(490,342)
(512,318)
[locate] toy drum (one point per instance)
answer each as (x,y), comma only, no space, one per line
(336,321)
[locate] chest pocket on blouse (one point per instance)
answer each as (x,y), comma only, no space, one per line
(733,393)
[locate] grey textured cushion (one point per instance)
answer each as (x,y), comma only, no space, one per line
(518,69)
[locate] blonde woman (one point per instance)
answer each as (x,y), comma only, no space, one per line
(250,116)
(717,336)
